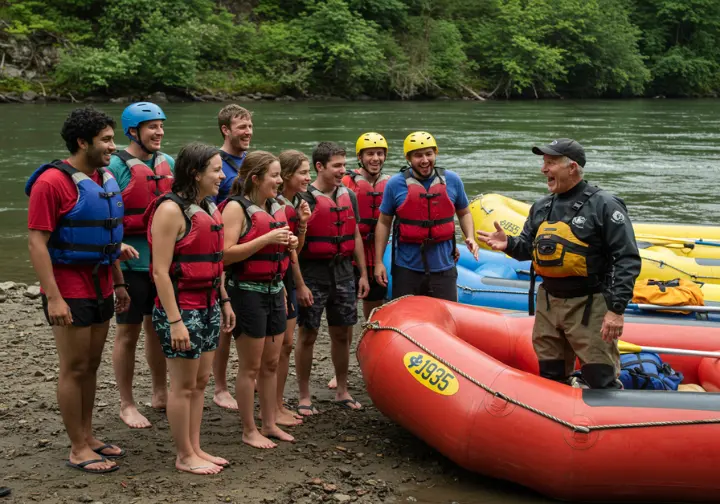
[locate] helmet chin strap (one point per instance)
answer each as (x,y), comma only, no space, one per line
(139,142)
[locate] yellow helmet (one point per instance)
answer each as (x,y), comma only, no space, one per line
(419,140)
(370,140)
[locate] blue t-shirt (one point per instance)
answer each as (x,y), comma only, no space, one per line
(407,255)
(231,173)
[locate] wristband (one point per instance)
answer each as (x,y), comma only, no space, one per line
(225,300)
(175,322)
(121,285)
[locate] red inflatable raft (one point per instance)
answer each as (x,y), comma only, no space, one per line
(480,402)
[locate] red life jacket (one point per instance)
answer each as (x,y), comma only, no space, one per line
(271,262)
(197,265)
(290,212)
(426,216)
(331,228)
(145,185)
(369,197)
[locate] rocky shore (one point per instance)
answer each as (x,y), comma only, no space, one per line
(339,456)
(30,97)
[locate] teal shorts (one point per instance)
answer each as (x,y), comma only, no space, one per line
(203,326)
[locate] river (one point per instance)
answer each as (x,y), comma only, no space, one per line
(661,156)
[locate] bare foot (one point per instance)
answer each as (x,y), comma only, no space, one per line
(210,458)
(197,465)
(132,417)
(286,418)
(332,384)
(225,400)
(159,400)
(257,440)
(277,433)
(286,411)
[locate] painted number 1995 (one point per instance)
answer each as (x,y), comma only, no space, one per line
(431,373)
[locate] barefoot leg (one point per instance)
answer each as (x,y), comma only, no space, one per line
(158,367)
(250,352)
(123,356)
(268,388)
(183,382)
(222,396)
(197,402)
(303,364)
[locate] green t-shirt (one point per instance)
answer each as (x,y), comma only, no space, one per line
(122,175)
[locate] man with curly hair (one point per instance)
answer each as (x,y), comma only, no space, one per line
(75,228)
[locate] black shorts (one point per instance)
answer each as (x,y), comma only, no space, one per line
(376,293)
(142,293)
(340,300)
(292,307)
(258,314)
(86,312)
(440,285)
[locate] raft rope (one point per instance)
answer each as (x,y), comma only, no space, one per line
(585,429)
(694,277)
(479,198)
(490,291)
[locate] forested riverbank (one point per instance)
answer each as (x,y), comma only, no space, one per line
(358,49)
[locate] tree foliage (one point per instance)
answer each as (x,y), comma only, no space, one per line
(384,48)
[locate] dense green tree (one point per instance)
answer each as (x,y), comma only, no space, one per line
(385,48)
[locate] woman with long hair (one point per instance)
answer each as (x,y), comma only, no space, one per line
(257,245)
(295,173)
(185,233)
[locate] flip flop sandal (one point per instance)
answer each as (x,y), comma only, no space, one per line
(345,403)
(110,456)
(82,466)
(310,408)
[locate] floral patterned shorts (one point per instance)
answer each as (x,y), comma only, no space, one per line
(203,326)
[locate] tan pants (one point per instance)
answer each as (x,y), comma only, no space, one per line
(558,333)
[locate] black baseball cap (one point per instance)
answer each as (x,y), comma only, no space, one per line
(563,147)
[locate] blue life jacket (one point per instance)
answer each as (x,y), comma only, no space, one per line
(92,232)
(645,370)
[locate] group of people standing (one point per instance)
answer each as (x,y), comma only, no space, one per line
(222,244)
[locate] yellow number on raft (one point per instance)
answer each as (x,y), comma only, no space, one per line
(431,373)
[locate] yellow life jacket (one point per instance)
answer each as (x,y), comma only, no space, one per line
(557,252)
(678,292)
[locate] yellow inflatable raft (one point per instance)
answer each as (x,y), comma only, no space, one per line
(663,257)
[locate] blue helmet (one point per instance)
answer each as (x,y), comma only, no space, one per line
(137,113)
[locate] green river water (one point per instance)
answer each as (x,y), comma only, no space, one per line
(661,156)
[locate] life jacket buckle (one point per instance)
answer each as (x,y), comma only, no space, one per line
(112,223)
(111,248)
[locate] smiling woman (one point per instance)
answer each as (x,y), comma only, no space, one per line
(186,242)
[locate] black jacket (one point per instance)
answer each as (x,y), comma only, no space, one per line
(603,224)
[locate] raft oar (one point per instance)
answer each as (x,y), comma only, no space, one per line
(690,308)
(626,347)
(670,239)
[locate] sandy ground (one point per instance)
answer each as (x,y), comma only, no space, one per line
(340,456)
